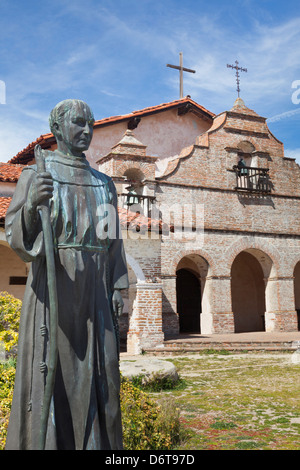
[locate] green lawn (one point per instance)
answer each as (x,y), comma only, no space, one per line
(238,401)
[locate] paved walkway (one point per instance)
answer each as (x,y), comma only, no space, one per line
(255,336)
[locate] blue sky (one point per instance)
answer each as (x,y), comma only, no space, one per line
(113,55)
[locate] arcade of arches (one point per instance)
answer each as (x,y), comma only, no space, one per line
(248,293)
(251,286)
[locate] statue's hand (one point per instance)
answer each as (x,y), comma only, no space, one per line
(41,189)
(117,302)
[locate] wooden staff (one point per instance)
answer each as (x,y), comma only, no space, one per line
(53,303)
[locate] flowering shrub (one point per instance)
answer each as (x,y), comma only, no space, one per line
(10,309)
(147,425)
(7,378)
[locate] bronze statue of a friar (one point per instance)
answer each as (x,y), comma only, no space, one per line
(89,269)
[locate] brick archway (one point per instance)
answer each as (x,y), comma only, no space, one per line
(280,313)
(127,165)
(248,293)
(292,265)
(252,244)
(186,253)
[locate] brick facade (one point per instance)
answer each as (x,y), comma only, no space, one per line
(234,237)
(262,226)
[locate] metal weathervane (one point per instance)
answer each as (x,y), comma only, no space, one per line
(237,68)
(181,70)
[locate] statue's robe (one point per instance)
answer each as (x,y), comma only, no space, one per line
(90,264)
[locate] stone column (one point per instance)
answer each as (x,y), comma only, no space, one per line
(217,315)
(169,305)
(280,305)
(145,318)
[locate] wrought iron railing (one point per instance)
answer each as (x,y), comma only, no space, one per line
(252,179)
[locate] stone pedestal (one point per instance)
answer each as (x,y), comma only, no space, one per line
(145,320)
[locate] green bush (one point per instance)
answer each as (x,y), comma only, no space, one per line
(10,309)
(157,382)
(7,378)
(147,425)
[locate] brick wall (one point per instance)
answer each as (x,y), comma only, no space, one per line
(265,226)
(145,322)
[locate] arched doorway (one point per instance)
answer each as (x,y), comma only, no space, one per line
(297,291)
(188,301)
(190,282)
(248,293)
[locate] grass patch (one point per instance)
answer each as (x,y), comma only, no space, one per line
(219,352)
(223,425)
(158,383)
(238,401)
(248,445)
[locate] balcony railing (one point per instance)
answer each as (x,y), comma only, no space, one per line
(252,179)
(137,202)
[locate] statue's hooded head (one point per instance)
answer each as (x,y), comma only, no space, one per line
(71,122)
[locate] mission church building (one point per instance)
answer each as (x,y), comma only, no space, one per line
(209,210)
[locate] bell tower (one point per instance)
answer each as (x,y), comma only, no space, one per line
(133,172)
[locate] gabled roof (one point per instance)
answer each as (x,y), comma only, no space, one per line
(184,105)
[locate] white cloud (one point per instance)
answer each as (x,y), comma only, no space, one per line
(285,115)
(109,93)
(271,55)
(119,51)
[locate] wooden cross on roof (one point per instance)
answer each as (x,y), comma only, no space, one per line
(237,68)
(181,70)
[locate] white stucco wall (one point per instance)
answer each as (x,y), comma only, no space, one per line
(165,134)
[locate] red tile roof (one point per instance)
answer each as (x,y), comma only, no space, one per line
(157,109)
(4,203)
(46,140)
(132,220)
(9,172)
(27,154)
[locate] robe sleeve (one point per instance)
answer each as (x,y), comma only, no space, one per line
(117,258)
(28,248)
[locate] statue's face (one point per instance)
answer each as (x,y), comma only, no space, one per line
(76,129)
